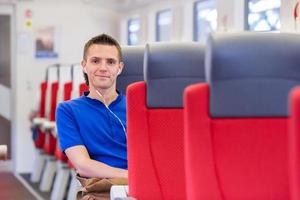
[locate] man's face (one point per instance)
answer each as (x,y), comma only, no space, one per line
(102,66)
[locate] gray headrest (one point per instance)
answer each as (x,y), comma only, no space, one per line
(251,74)
(168,69)
(133,58)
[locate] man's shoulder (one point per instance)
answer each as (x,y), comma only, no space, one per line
(123,97)
(71,103)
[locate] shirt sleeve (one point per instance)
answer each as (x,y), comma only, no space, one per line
(68,131)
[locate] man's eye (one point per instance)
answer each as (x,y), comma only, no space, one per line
(111,61)
(95,61)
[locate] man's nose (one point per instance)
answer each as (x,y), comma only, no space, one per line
(102,66)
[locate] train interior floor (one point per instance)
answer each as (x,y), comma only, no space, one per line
(35,186)
(11,188)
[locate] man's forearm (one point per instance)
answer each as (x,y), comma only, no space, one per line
(93,168)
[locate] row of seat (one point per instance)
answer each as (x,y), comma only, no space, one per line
(233,135)
(49,160)
(230,136)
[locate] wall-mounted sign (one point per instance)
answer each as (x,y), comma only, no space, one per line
(28,23)
(28,13)
(46,43)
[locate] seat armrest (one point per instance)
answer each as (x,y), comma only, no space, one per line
(48,126)
(38,121)
(120,192)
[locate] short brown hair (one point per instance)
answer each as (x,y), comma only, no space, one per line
(103,39)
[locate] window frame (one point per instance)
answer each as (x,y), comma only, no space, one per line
(129,21)
(157,26)
(246,18)
(196,28)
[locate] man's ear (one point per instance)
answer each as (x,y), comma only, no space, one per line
(121,66)
(83,65)
(84,70)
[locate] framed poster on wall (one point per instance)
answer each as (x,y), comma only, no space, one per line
(46,42)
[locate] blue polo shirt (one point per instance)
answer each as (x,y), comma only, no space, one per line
(86,121)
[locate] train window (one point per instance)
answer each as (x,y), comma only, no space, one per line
(163,25)
(133,31)
(263,15)
(205,19)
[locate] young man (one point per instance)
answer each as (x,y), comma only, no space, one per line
(92,128)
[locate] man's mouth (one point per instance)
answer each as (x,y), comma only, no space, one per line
(102,76)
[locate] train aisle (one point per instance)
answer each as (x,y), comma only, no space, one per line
(12,188)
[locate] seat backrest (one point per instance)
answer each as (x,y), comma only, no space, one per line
(294,143)
(53,102)
(82,87)
(68,86)
(50,140)
(43,91)
(133,67)
(40,139)
(67,91)
(237,126)
(155,120)
(65,80)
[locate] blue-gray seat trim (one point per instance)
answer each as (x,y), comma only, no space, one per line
(133,59)
(251,74)
(168,69)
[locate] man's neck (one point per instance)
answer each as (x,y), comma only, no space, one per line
(105,96)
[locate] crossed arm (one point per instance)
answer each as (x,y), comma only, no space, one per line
(87,167)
